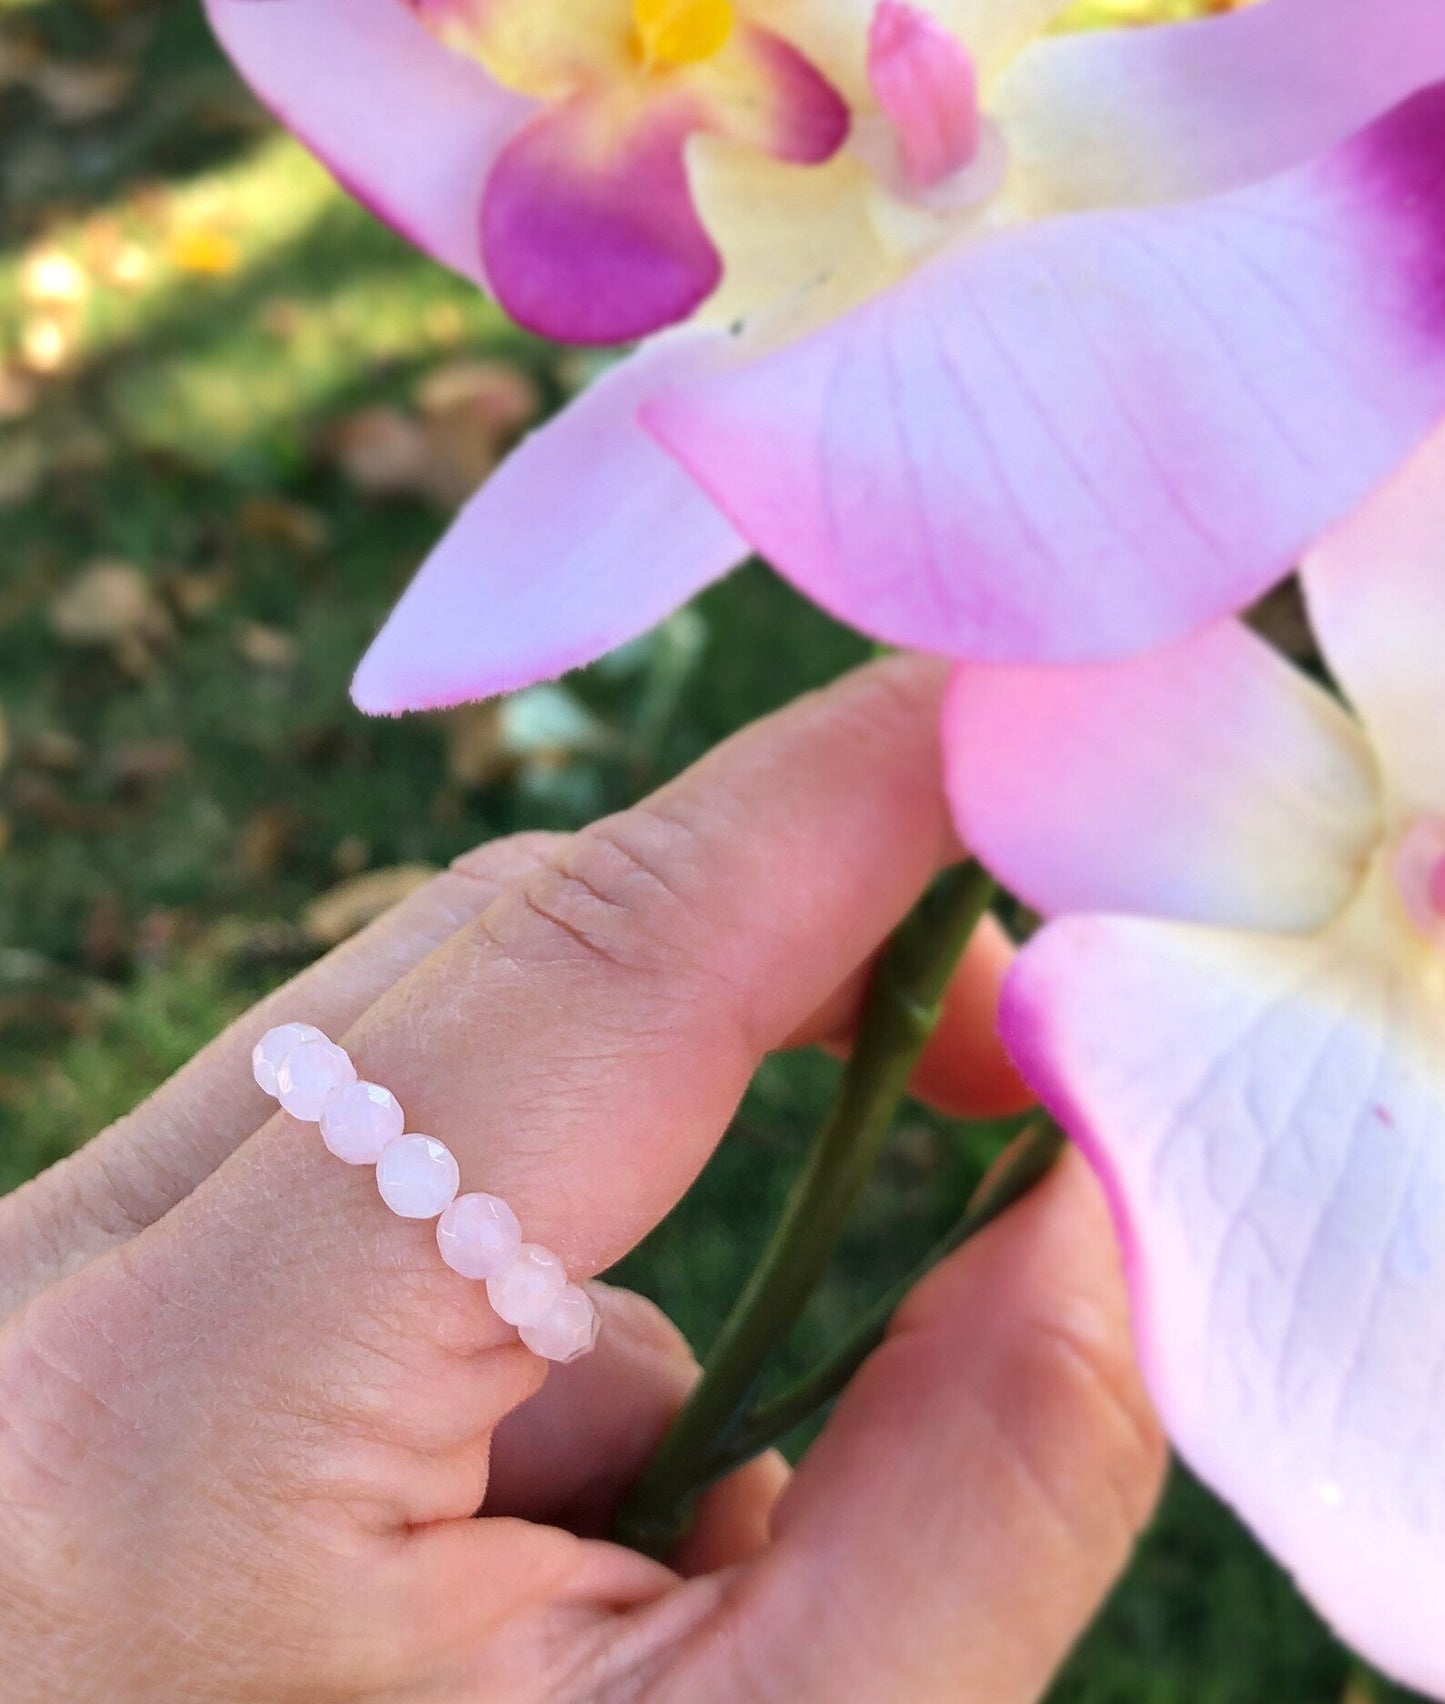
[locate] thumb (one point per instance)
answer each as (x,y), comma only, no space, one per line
(982,1482)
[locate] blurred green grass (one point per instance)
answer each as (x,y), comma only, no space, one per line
(173,800)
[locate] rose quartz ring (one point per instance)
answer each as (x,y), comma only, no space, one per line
(418,1177)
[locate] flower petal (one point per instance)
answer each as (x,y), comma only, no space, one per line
(798,246)
(1266,1115)
(834,33)
(545,50)
(760,90)
(1209,782)
(1095,435)
(994,31)
(588,226)
(1179,111)
(585,537)
(326,68)
(1376,590)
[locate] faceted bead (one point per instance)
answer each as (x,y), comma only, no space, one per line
(358,1122)
(309,1075)
(272,1048)
(527,1290)
(418,1176)
(568,1331)
(479,1236)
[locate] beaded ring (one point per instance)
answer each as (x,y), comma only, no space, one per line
(418,1178)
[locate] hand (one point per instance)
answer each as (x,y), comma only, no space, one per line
(246,1414)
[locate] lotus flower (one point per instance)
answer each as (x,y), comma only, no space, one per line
(1007,345)
(1246,1031)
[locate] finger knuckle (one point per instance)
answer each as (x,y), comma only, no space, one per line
(619,895)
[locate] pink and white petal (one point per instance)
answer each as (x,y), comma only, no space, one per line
(760,90)
(589,232)
(1086,438)
(1376,590)
(1266,1113)
(799,248)
(326,68)
(1208,782)
(547,51)
(833,36)
(834,33)
(995,31)
(584,538)
(1180,111)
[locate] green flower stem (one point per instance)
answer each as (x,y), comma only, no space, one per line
(1024,1165)
(900,1014)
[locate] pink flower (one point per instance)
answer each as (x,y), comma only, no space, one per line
(1246,1031)
(1068,348)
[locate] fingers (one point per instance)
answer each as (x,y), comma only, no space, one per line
(581,1048)
(569,1455)
(135,1171)
(965,1070)
(980,1485)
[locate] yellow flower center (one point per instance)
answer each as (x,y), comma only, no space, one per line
(682,32)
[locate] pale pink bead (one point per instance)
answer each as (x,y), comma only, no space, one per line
(479,1236)
(927,86)
(309,1075)
(567,1331)
(358,1122)
(418,1176)
(272,1048)
(529,1288)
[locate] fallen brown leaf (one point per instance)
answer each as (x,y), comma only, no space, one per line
(499,397)
(350,856)
(20,56)
(267,648)
(382,451)
(141,765)
(474,755)
(110,604)
(37,798)
(79,91)
(265,842)
(53,750)
(18,393)
(107,938)
(278,520)
(196,592)
(541,729)
(347,908)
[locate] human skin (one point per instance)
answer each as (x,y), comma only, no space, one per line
(247,1415)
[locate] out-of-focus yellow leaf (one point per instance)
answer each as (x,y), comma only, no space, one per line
(205,251)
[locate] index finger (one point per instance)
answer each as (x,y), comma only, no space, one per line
(581,1049)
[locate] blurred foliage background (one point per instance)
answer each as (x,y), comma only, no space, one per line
(233,413)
